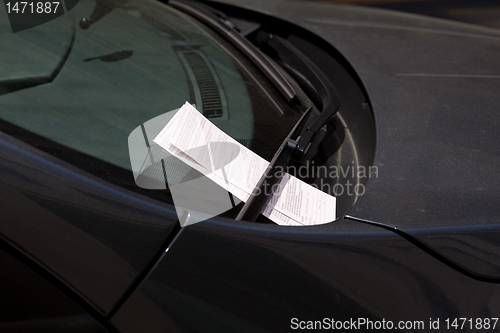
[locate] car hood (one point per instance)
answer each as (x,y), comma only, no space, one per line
(433,85)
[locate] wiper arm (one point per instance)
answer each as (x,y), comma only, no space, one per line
(218,21)
(318,88)
(324,94)
(309,78)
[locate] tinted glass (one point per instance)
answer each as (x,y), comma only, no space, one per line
(139,60)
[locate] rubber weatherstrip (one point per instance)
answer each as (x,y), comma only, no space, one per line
(445,260)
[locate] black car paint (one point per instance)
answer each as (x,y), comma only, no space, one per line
(433,85)
(223,272)
(433,289)
(92,235)
(224,276)
(219,274)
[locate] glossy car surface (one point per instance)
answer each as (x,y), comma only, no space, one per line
(419,100)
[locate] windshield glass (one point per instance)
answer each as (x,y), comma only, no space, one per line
(138,60)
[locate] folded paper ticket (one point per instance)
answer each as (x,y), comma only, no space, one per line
(195,141)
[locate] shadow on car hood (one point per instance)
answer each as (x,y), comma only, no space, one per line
(433,85)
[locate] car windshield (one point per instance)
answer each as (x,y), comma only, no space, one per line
(139,60)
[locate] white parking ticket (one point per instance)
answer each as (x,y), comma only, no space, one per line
(196,141)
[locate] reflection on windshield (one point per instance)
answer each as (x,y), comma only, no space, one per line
(138,60)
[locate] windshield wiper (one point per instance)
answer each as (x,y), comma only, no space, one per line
(322,93)
(219,21)
(318,88)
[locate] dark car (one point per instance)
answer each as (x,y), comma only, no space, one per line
(405,117)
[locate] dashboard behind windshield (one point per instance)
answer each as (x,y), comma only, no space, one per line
(140,60)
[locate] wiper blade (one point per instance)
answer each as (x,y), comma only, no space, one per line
(325,94)
(218,21)
(318,88)
(264,189)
